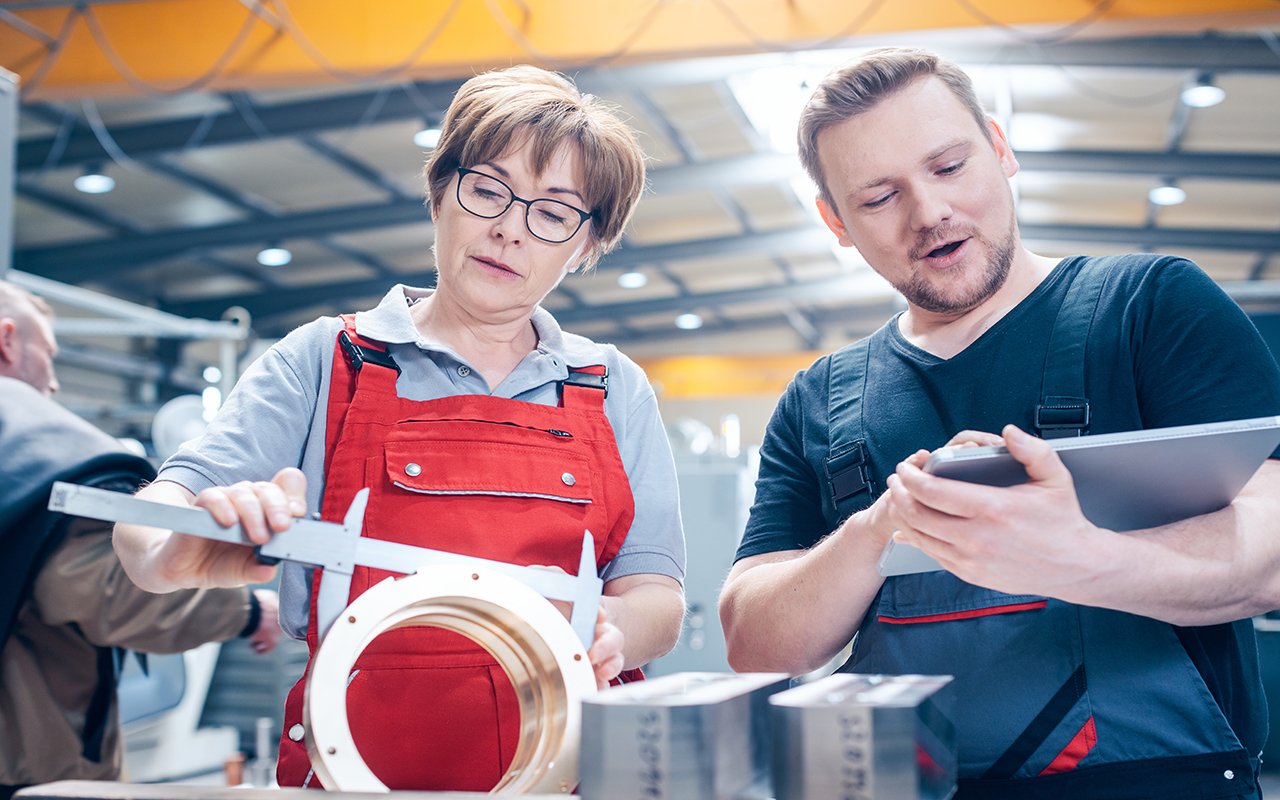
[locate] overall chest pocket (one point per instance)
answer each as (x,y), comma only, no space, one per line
(488,469)
(497,491)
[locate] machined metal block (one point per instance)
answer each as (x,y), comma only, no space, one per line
(865,737)
(687,736)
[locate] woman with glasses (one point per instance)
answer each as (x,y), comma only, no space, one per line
(479,426)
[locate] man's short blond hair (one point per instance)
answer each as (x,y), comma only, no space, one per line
(862,83)
(496,112)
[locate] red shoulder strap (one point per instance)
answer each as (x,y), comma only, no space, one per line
(585,388)
(351,353)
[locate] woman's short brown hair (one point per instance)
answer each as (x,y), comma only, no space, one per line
(497,111)
(860,84)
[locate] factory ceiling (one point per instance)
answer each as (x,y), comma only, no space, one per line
(292,130)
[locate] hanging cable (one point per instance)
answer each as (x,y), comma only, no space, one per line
(132,78)
(249,115)
(315,54)
(852,27)
(1100,8)
(103,135)
(55,50)
(60,140)
(624,47)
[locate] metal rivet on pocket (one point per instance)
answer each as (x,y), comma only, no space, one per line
(412,470)
(296,732)
(568,479)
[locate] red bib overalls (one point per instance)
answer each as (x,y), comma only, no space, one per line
(472,474)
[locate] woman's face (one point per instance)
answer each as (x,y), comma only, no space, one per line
(494,269)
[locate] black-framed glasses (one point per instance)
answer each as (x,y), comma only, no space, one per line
(488,197)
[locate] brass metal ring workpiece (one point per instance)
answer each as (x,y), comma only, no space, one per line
(528,637)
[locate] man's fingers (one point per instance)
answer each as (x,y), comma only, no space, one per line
(1036,455)
(968,438)
(916,489)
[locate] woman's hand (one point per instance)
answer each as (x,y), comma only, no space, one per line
(161,561)
(605,654)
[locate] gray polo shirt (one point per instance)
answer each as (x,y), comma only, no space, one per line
(273,419)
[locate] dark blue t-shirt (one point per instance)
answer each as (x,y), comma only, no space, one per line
(1167,347)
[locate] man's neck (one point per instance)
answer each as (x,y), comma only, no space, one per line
(946,335)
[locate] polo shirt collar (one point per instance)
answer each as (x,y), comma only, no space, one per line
(391,323)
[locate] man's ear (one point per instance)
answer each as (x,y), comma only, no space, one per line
(9,343)
(1000,143)
(832,218)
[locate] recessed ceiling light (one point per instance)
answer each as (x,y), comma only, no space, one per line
(632,280)
(94,181)
(688,322)
(1167,195)
(427,138)
(1203,93)
(274,256)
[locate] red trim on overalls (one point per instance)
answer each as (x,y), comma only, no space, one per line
(970,614)
(1075,751)
(472,474)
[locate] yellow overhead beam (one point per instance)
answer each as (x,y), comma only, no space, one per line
(709,377)
(179,45)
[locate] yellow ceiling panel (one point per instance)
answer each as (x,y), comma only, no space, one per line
(182,45)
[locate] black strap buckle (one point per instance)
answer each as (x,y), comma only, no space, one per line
(1062,416)
(588,380)
(359,355)
(848,474)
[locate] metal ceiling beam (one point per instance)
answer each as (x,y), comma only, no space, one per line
(837,289)
(1218,53)
(852,320)
(1215,53)
(231,127)
(76,262)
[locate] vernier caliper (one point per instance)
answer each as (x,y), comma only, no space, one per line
(339,549)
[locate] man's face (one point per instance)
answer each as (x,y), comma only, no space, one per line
(924,197)
(29,349)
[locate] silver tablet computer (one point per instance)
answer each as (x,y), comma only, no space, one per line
(1125,481)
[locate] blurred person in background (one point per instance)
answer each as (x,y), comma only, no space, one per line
(66,605)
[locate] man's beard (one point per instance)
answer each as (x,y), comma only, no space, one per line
(937,299)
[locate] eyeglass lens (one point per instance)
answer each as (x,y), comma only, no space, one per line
(547,219)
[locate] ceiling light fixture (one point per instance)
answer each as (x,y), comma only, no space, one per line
(632,280)
(94,181)
(1203,93)
(1167,195)
(274,256)
(688,322)
(428,137)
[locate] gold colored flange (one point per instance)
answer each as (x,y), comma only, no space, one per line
(528,637)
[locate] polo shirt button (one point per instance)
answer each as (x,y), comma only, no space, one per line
(296,732)
(464,371)
(568,479)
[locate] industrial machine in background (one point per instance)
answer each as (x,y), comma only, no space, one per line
(717,487)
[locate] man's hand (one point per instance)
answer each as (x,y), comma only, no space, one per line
(1026,539)
(267,636)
